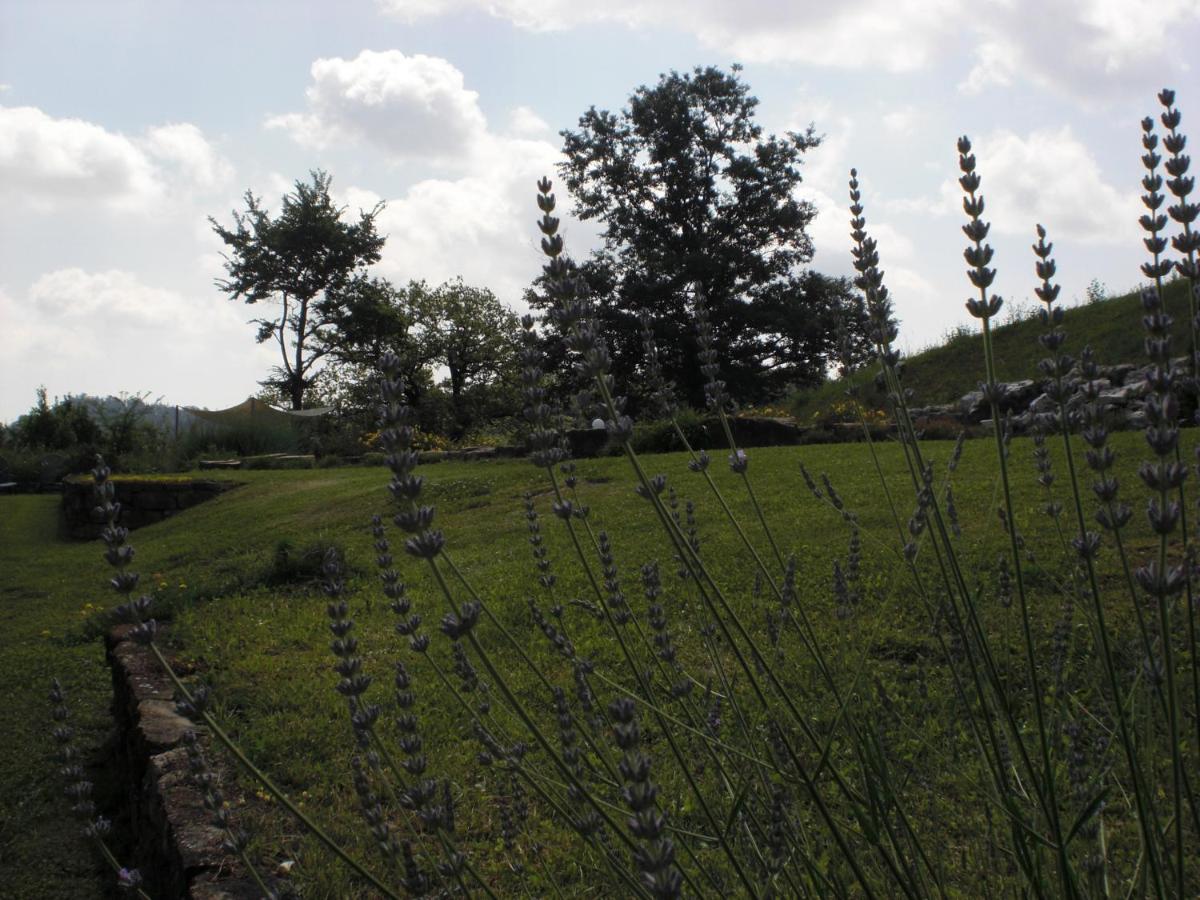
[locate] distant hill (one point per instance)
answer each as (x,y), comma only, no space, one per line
(1113,329)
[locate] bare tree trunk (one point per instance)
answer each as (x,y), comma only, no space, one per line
(297,385)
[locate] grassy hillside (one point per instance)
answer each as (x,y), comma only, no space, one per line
(1112,328)
(260,637)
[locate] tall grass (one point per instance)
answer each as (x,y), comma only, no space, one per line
(722,747)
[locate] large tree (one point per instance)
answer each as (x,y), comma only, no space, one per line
(301,261)
(692,196)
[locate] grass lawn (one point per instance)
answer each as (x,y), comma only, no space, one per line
(261,640)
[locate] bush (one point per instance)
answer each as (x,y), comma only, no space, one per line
(292,565)
(661,436)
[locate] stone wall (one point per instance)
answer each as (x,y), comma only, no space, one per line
(178,851)
(142,502)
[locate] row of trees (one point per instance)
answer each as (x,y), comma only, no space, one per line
(331,319)
(693,198)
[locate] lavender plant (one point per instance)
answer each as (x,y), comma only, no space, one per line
(705,735)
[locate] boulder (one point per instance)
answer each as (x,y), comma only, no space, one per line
(1124,395)
(1016,397)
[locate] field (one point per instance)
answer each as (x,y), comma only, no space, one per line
(256,630)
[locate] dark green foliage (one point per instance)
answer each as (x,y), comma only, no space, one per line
(65,425)
(659,436)
(300,565)
(465,331)
(472,334)
(692,195)
(63,437)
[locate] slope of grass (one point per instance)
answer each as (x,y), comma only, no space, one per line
(943,374)
(264,647)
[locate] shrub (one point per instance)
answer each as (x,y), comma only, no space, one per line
(688,427)
(291,565)
(682,746)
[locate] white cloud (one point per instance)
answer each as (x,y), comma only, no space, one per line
(524,122)
(73,295)
(480,226)
(413,107)
(1076,45)
(477,220)
(1069,43)
(995,64)
(901,122)
(1051,178)
(106,332)
(182,150)
(48,163)
(899,35)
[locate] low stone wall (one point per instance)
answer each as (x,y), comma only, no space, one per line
(178,851)
(142,502)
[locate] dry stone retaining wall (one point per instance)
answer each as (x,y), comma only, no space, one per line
(142,502)
(177,849)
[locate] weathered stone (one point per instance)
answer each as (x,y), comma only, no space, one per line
(1118,374)
(1019,394)
(220,464)
(178,850)
(764,431)
(972,407)
(1042,404)
(161,727)
(1124,395)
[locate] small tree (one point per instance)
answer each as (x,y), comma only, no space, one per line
(473,336)
(373,317)
(462,330)
(301,261)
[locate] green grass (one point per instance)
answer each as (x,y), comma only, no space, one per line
(945,373)
(264,648)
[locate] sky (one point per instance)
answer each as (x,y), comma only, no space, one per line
(125,124)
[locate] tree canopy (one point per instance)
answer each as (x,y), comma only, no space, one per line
(302,261)
(454,330)
(693,197)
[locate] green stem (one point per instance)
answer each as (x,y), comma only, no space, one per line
(316,830)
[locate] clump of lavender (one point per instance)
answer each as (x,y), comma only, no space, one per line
(1159,578)
(396,438)
(118,553)
(78,790)
(655,856)
(664,642)
(583,818)
(235,839)
(715,393)
(543,438)
(618,605)
(659,389)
